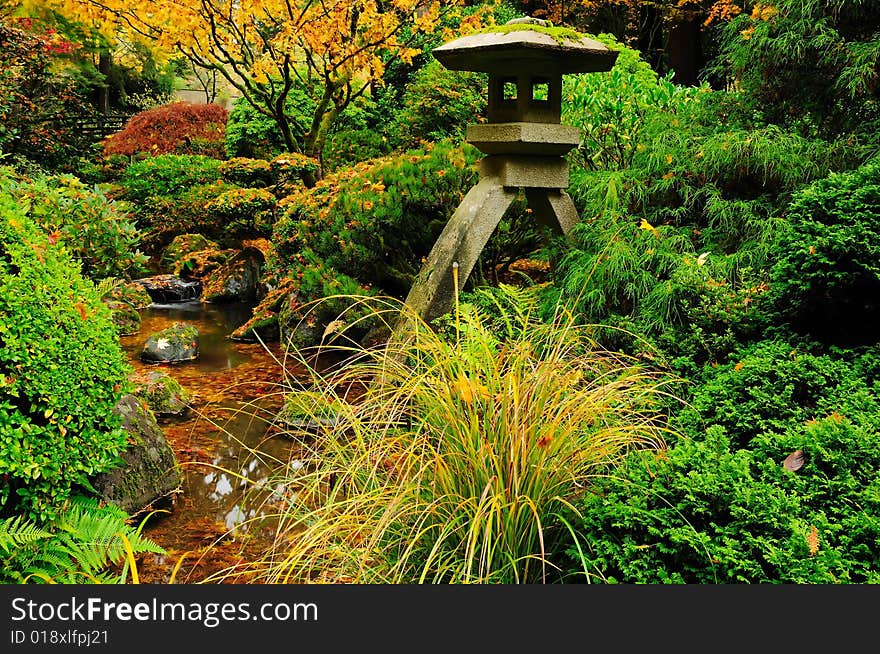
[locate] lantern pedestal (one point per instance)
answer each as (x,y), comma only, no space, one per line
(470,228)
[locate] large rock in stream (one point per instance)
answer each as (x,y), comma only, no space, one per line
(168,289)
(150,470)
(174,344)
(237,280)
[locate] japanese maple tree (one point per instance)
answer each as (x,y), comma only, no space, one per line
(335,49)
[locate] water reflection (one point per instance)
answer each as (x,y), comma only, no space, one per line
(220,488)
(230,461)
(237,516)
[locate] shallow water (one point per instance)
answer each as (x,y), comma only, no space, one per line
(226,444)
(214,322)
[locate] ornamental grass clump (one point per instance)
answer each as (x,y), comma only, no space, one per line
(453,460)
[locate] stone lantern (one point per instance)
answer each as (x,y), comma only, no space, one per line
(524,141)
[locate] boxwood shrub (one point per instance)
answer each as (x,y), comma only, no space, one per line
(61,372)
(826,279)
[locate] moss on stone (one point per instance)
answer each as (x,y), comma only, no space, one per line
(179,342)
(558,34)
(161,392)
(125,317)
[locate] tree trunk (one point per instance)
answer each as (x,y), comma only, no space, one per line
(684,51)
(102,95)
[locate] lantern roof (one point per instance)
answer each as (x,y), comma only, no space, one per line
(527,43)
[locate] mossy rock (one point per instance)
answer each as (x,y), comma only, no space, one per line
(161,392)
(259,328)
(296,331)
(175,344)
(263,324)
(300,420)
(149,469)
(183,245)
(237,280)
(201,263)
(132,293)
(124,316)
(168,289)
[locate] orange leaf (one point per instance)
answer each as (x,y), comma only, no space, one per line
(813,540)
(81,310)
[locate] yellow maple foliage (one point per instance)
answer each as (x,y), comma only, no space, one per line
(337,49)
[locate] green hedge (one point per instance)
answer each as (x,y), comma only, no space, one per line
(167,174)
(61,371)
(244,212)
(168,194)
(826,278)
(706,512)
(720,505)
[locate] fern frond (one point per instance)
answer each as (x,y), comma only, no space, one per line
(77,548)
(19,530)
(107,286)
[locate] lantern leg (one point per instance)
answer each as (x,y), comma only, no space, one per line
(462,240)
(553,208)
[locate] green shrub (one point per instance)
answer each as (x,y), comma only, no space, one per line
(61,371)
(438,104)
(288,168)
(167,175)
(826,277)
(244,212)
(375,221)
(346,148)
(614,108)
(707,512)
(165,217)
(680,219)
(768,386)
(97,231)
(169,193)
(251,173)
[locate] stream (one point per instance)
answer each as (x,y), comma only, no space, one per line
(225,443)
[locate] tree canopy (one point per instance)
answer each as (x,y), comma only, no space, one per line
(336,50)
